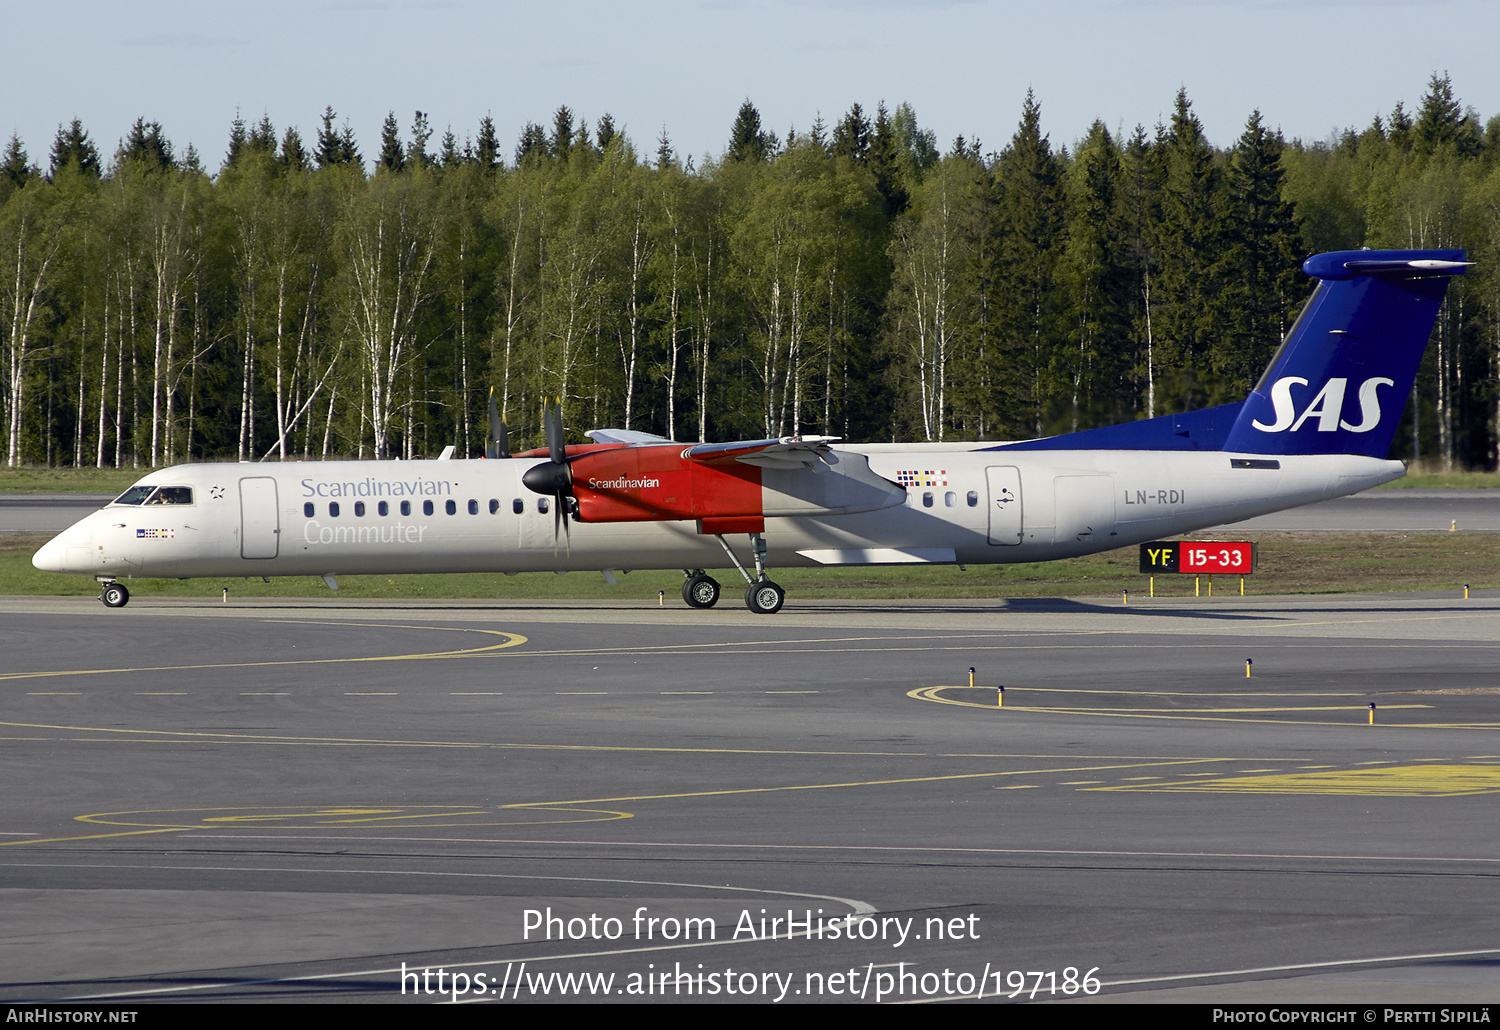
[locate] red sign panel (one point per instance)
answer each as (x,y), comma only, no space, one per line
(1211,556)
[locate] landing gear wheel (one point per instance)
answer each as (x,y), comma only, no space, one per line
(764,598)
(700,591)
(114,595)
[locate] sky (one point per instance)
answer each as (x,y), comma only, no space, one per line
(1311,67)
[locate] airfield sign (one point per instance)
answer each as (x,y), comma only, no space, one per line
(1198,557)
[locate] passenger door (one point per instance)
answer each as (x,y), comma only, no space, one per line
(260,521)
(1005,504)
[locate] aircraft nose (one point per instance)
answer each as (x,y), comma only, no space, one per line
(49,558)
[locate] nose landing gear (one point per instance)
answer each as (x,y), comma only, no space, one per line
(700,590)
(114,595)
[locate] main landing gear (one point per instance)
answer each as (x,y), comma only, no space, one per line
(764,597)
(114,595)
(761,595)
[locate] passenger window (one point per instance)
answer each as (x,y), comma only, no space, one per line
(518,506)
(333,509)
(451,508)
(406,507)
(973,498)
(950,499)
(541,505)
(307,510)
(426,507)
(494,506)
(927,498)
(359,509)
(384,509)
(473,507)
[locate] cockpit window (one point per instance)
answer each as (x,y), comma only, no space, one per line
(172,495)
(156,495)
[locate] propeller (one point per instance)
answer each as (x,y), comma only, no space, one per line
(554,479)
(498,445)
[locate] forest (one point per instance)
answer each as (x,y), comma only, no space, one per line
(306,300)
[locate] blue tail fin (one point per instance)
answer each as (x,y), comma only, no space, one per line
(1340,381)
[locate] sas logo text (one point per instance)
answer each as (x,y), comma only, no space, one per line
(1326,409)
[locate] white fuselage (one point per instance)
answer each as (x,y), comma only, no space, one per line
(962,505)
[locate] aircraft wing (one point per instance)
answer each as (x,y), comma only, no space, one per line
(788,452)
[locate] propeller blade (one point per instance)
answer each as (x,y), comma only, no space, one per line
(498,445)
(552,416)
(554,478)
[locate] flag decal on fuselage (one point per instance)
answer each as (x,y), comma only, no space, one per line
(922,477)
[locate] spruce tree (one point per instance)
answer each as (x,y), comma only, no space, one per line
(73,146)
(147,145)
(1095,268)
(448,154)
(239,138)
(15,167)
(1400,134)
(416,151)
(392,155)
(349,149)
(561,141)
(581,142)
(818,134)
(1442,122)
(747,140)
(263,137)
(1030,211)
(851,136)
(885,153)
(191,163)
(1259,262)
(1189,252)
(1143,182)
(605,131)
(292,157)
(328,152)
(532,146)
(487,146)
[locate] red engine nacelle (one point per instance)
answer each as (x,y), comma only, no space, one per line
(649,484)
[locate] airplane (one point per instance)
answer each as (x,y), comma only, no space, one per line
(1317,425)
